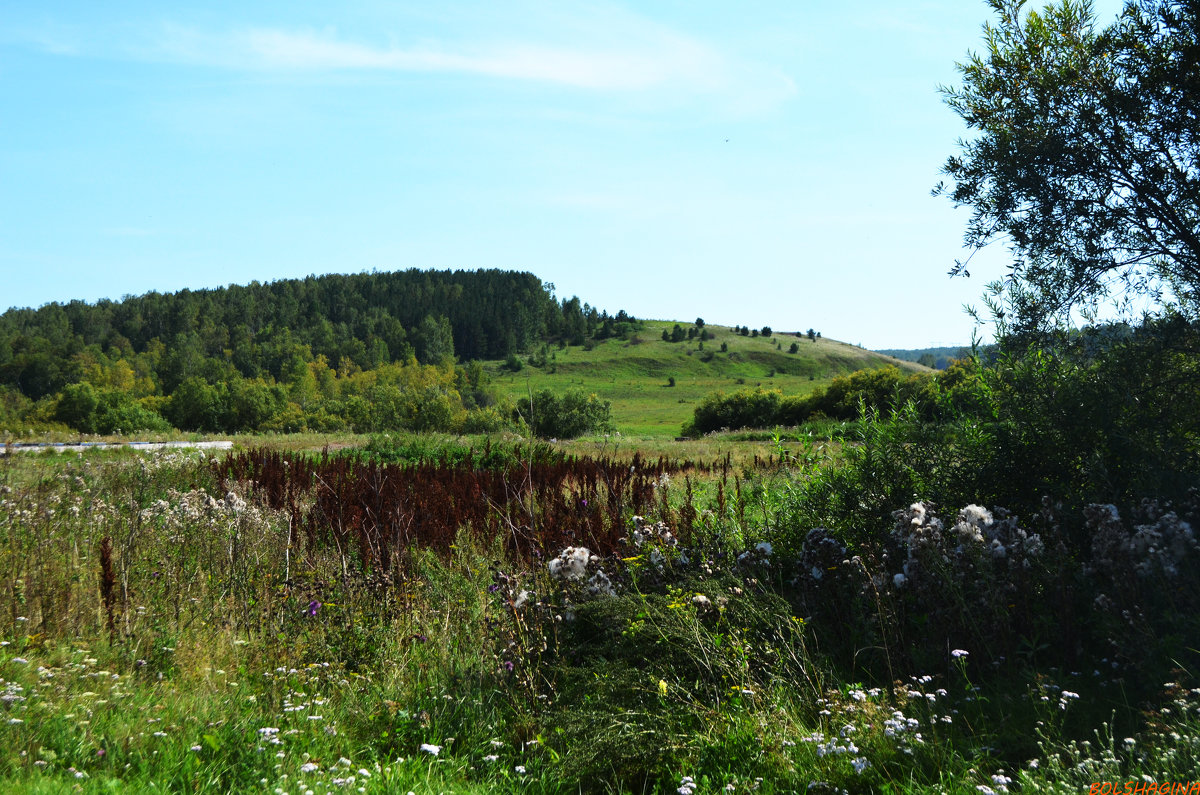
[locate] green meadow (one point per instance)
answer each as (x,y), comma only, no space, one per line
(634,375)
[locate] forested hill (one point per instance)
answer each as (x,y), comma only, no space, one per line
(355,322)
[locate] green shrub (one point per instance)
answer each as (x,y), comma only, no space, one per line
(250,403)
(880,390)
(105,411)
(119,412)
(77,406)
(1093,418)
(572,414)
(484,420)
(195,406)
(756,408)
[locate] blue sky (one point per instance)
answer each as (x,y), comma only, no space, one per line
(757,164)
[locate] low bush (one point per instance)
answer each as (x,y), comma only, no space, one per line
(105,411)
(846,398)
(566,416)
(758,408)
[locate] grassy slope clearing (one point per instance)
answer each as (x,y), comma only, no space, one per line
(634,374)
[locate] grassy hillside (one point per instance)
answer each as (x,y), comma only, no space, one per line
(634,374)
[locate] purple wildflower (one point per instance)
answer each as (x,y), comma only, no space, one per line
(313,607)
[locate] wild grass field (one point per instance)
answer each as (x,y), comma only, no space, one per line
(501,617)
(634,375)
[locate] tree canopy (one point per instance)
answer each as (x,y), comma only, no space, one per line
(1085,154)
(370,351)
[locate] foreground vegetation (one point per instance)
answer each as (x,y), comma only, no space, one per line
(431,617)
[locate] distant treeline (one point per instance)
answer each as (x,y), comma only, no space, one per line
(937,358)
(319,352)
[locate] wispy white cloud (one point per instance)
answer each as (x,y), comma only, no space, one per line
(593,46)
(276,49)
(656,58)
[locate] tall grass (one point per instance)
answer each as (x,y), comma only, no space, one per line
(174,625)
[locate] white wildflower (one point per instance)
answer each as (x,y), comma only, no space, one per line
(968,534)
(571,563)
(976,515)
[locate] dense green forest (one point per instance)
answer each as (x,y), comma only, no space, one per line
(369,351)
